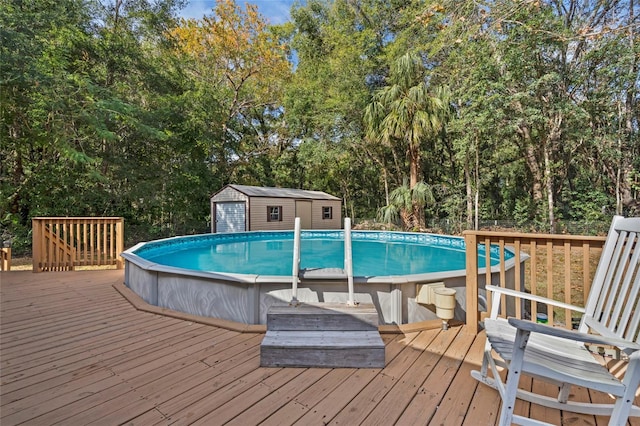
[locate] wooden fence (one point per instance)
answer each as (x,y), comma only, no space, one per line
(63,243)
(559,267)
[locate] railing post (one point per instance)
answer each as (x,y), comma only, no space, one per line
(6,259)
(296,262)
(69,244)
(119,242)
(36,244)
(471,247)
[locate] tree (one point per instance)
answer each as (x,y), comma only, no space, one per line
(537,83)
(238,66)
(406,112)
(46,107)
(340,61)
(402,202)
(88,126)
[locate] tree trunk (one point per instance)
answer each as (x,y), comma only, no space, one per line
(18,176)
(532,163)
(414,170)
(407,219)
(477,195)
(549,187)
(467,178)
(386,185)
(414,166)
(473,194)
(553,139)
(626,194)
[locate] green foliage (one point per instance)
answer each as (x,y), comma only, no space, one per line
(120,108)
(404,203)
(588,205)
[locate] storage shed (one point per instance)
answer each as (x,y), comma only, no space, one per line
(237,208)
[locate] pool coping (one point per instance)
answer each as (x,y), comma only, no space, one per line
(454,242)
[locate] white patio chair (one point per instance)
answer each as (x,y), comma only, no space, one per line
(557,355)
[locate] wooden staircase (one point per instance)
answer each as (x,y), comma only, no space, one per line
(322,335)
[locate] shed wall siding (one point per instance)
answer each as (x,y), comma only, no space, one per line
(318,222)
(258,214)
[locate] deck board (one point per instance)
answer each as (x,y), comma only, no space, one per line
(404,374)
(74,351)
(484,407)
(309,398)
(460,393)
(431,392)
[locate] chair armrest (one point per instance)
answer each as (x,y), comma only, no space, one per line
(573,335)
(533,297)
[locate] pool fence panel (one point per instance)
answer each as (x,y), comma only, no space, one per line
(555,266)
(64,243)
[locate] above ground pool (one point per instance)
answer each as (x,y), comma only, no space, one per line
(237,276)
(271,253)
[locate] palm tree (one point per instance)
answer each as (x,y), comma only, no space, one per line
(406,112)
(402,202)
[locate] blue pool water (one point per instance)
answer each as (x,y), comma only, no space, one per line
(270,253)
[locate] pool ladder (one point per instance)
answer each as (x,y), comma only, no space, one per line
(323,273)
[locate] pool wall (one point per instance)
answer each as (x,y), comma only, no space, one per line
(246,298)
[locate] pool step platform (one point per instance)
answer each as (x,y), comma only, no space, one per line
(322,274)
(322,335)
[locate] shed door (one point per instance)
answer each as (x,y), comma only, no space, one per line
(230,217)
(303,211)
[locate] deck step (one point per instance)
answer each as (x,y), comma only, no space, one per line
(322,335)
(322,317)
(331,349)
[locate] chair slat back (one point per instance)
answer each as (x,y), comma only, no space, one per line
(613,306)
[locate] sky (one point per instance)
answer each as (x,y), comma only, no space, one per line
(275,11)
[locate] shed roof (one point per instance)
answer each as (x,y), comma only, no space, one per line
(262,191)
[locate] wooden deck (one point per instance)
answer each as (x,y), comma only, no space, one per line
(74,351)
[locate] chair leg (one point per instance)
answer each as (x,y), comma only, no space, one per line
(563,395)
(485,363)
(485,359)
(622,407)
(513,377)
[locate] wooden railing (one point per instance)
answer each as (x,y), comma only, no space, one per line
(63,243)
(559,267)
